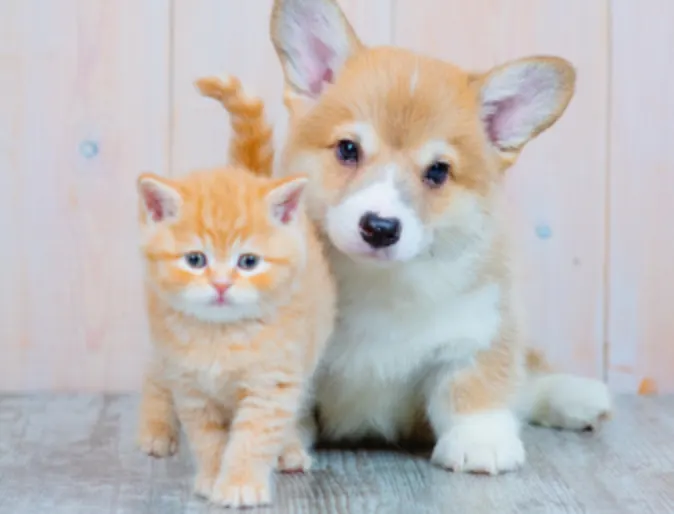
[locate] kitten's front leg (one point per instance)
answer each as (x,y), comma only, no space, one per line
(205,425)
(158,432)
(295,454)
(471,415)
(263,420)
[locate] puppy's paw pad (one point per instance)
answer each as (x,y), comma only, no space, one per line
(476,445)
(158,439)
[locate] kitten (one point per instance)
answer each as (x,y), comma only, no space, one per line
(241,304)
(251,143)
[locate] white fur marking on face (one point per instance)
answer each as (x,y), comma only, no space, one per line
(182,264)
(436,150)
(197,301)
(486,441)
(362,133)
(384,199)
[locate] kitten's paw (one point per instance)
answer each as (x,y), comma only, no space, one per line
(294,459)
(242,491)
(488,442)
(203,484)
(570,402)
(158,438)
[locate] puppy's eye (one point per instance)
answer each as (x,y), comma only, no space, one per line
(196,260)
(348,152)
(248,261)
(436,174)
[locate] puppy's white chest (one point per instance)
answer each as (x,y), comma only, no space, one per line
(393,332)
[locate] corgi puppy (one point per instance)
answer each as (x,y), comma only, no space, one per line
(405,156)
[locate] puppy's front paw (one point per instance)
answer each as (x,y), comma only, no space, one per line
(157,438)
(294,458)
(245,490)
(487,442)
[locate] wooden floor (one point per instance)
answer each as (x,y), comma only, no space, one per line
(75,455)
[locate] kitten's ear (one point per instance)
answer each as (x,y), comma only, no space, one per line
(160,199)
(285,199)
(313,40)
(522,98)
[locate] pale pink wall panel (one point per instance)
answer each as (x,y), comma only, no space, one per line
(213,37)
(641,301)
(92,92)
(83,109)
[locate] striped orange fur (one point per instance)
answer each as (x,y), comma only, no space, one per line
(241,304)
(251,144)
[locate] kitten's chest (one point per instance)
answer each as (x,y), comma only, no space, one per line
(213,368)
(211,375)
(216,381)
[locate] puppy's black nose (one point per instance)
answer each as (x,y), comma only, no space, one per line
(379,232)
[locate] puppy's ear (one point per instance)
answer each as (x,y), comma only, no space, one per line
(521,99)
(313,40)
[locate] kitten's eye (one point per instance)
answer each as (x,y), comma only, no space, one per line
(348,152)
(248,261)
(436,174)
(196,260)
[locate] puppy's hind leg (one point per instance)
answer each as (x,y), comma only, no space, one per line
(562,401)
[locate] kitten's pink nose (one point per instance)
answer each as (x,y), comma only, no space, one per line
(221,287)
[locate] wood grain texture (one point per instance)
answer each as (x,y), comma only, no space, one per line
(232,37)
(83,109)
(93,91)
(641,325)
(556,191)
(76,455)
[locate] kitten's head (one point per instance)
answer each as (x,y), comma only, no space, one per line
(222,245)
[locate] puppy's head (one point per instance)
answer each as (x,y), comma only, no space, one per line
(402,149)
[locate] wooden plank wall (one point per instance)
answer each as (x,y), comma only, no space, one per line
(84,105)
(92,92)
(641,189)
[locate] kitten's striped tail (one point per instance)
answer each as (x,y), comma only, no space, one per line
(251,144)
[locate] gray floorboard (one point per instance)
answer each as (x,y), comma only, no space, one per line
(75,454)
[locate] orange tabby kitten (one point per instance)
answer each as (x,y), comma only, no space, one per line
(251,144)
(241,304)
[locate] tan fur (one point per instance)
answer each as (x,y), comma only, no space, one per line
(238,373)
(251,144)
(387,371)
(403,123)
(394,104)
(536,362)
